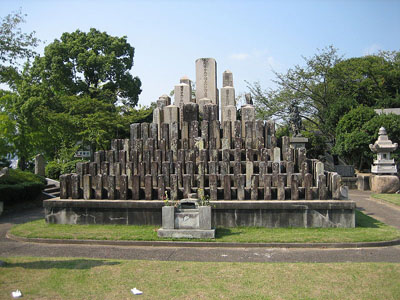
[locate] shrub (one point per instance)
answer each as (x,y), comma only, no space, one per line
(20,192)
(19,186)
(17,176)
(55,168)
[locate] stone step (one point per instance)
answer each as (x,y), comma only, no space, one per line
(52,189)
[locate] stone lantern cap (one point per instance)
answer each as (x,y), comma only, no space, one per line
(383,144)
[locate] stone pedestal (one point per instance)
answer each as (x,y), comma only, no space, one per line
(384,184)
(188,220)
(298,142)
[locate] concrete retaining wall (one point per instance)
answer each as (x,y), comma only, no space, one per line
(273,214)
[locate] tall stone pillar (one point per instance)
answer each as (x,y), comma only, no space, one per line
(227,93)
(248,115)
(171,114)
(187,81)
(206,79)
(182,96)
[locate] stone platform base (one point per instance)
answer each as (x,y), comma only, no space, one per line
(273,214)
(187,233)
(384,184)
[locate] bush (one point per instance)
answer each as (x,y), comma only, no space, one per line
(55,168)
(17,176)
(19,186)
(20,192)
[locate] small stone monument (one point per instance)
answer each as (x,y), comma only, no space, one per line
(187,220)
(384,178)
(40,164)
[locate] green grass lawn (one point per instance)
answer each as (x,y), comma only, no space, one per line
(392,198)
(367,230)
(79,278)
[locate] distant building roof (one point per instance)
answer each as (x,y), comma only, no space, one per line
(386,111)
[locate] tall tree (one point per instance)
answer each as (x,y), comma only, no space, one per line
(79,91)
(15,45)
(328,86)
(92,64)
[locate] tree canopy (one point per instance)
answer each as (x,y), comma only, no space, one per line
(333,93)
(80,91)
(92,64)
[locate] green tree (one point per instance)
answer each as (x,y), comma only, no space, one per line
(309,86)
(359,128)
(328,86)
(92,64)
(15,45)
(79,91)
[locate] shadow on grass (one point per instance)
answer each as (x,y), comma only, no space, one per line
(362,220)
(221,232)
(75,264)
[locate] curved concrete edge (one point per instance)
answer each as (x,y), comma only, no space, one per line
(203,244)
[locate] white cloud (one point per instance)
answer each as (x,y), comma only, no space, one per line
(372,49)
(239,56)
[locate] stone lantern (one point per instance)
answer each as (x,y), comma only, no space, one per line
(384,171)
(383,147)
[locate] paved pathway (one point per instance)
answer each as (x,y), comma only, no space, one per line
(378,209)
(371,207)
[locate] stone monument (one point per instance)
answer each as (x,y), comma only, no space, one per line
(187,220)
(249,180)
(206,79)
(40,165)
(384,177)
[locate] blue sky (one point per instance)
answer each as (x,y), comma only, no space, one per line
(250,38)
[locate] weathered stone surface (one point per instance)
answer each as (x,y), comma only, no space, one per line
(213,186)
(148,187)
(182,94)
(294,188)
(384,184)
(111,187)
(98,187)
(75,187)
(202,103)
(227,78)
(87,187)
(40,165)
(227,187)
(254,187)
(123,187)
(249,173)
(206,79)
(267,187)
(168,217)
(210,112)
(307,182)
(248,115)
(233,213)
(363,182)
(227,97)
(190,112)
(281,187)
(171,114)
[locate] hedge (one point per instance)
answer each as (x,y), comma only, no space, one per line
(20,192)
